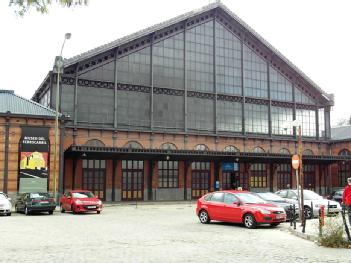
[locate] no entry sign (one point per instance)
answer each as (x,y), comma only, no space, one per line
(295,161)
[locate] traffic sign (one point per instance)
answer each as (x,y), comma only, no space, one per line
(295,161)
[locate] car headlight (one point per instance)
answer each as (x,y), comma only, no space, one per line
(78,202)
(265,212)
(99,202)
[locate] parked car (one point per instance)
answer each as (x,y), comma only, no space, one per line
(79,201)
(35,202)
(5,204)
(275,199)
(336,195)
(238,207)
(312,202)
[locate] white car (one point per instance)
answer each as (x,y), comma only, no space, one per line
(312,202)
(5,204)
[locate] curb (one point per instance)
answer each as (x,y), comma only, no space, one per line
(303,235)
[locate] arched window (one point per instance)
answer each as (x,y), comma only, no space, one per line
(133,145)
(231,148)
(307,152)
(284,151)
(201,147)
(344,170)
(94,143)
(168,146)
(258,150)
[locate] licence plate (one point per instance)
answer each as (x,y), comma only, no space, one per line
(279,217)
(91,206)
(44,202)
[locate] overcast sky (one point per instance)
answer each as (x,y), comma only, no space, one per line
(313,34)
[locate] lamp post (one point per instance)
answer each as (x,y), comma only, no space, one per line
(57,69)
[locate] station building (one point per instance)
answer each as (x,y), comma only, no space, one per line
(197,103)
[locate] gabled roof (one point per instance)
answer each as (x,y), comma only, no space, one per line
(184,17)
(14,104)
(341,133)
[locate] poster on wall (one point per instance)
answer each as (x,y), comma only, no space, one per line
(34,160)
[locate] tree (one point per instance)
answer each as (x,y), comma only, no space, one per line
(41,6)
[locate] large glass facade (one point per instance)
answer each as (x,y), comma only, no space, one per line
(255,75)
(228,61)
(229,116)
(135,68)
(168,62)
(103,73)
(200,114)
(168,111)
(256,118)
(281,119)
(300,97)
(321,123)
(199,57)
(307,118)
(281,88)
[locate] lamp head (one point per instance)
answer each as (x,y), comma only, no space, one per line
(68,35)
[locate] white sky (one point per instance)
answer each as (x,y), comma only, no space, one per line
(314,35)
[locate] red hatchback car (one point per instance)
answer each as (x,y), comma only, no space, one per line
(238,207)
(79,201)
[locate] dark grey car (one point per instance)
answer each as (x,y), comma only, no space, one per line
(35,202)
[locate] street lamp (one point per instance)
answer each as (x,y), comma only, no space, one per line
(58,68)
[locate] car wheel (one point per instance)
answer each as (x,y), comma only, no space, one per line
(61,209)
(8,214)
(16,209)
(308,212)
(50,212)
(250,221)
(204,217)
(26,211)
(275,224)
(98,212)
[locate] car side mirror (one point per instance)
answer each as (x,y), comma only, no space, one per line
(237,203)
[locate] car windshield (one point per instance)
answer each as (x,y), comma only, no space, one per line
(271,197)
(82,195)
(250,198)
(309,195)
(2,197)
(39,195)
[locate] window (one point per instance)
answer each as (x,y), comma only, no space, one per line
(168,174)
(231,148)
(309,176)
(281,88)
(217,197)
(255,75)
(256,118)
(200,179)
(280,118)
(132,180)
(229,116)
(168,62)
(135,68)
(284,176)
(201,147)
(300,97)
(230,199)
(291,195)
(168,146)
(258,150)
(344,170)
(282,194)
(258,178)
(307,118)
(133,145)
(199,57)
(228,61)
(321,123)
(103,73)
(94,175)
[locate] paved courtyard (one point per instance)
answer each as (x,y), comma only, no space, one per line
(150,233)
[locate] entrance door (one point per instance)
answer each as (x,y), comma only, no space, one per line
(284,176)
(94,174)
(231,180)
(309,177)
(200,179)
(132,180)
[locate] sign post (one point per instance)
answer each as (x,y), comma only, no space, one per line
(295,162)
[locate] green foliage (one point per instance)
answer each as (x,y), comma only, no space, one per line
(333,231)
(23,6)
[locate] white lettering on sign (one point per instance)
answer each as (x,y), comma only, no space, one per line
(34,140)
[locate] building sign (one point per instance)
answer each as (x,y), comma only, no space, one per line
(34,160)
(230,167)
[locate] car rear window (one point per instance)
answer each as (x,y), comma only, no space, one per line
(39,195)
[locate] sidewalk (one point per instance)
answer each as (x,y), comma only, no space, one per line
(312,228)
(146,203)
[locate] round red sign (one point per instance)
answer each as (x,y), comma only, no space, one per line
(295,161)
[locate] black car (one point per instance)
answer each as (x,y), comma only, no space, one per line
(336,195)
(281,202)
(35,202)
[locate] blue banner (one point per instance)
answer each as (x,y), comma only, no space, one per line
(230,167)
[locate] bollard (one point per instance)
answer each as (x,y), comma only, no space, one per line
(321,220)
(312,215)
(328,209)
(294,216)
(291,215)
(343,212)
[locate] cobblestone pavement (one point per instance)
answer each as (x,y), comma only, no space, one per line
(150,233)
